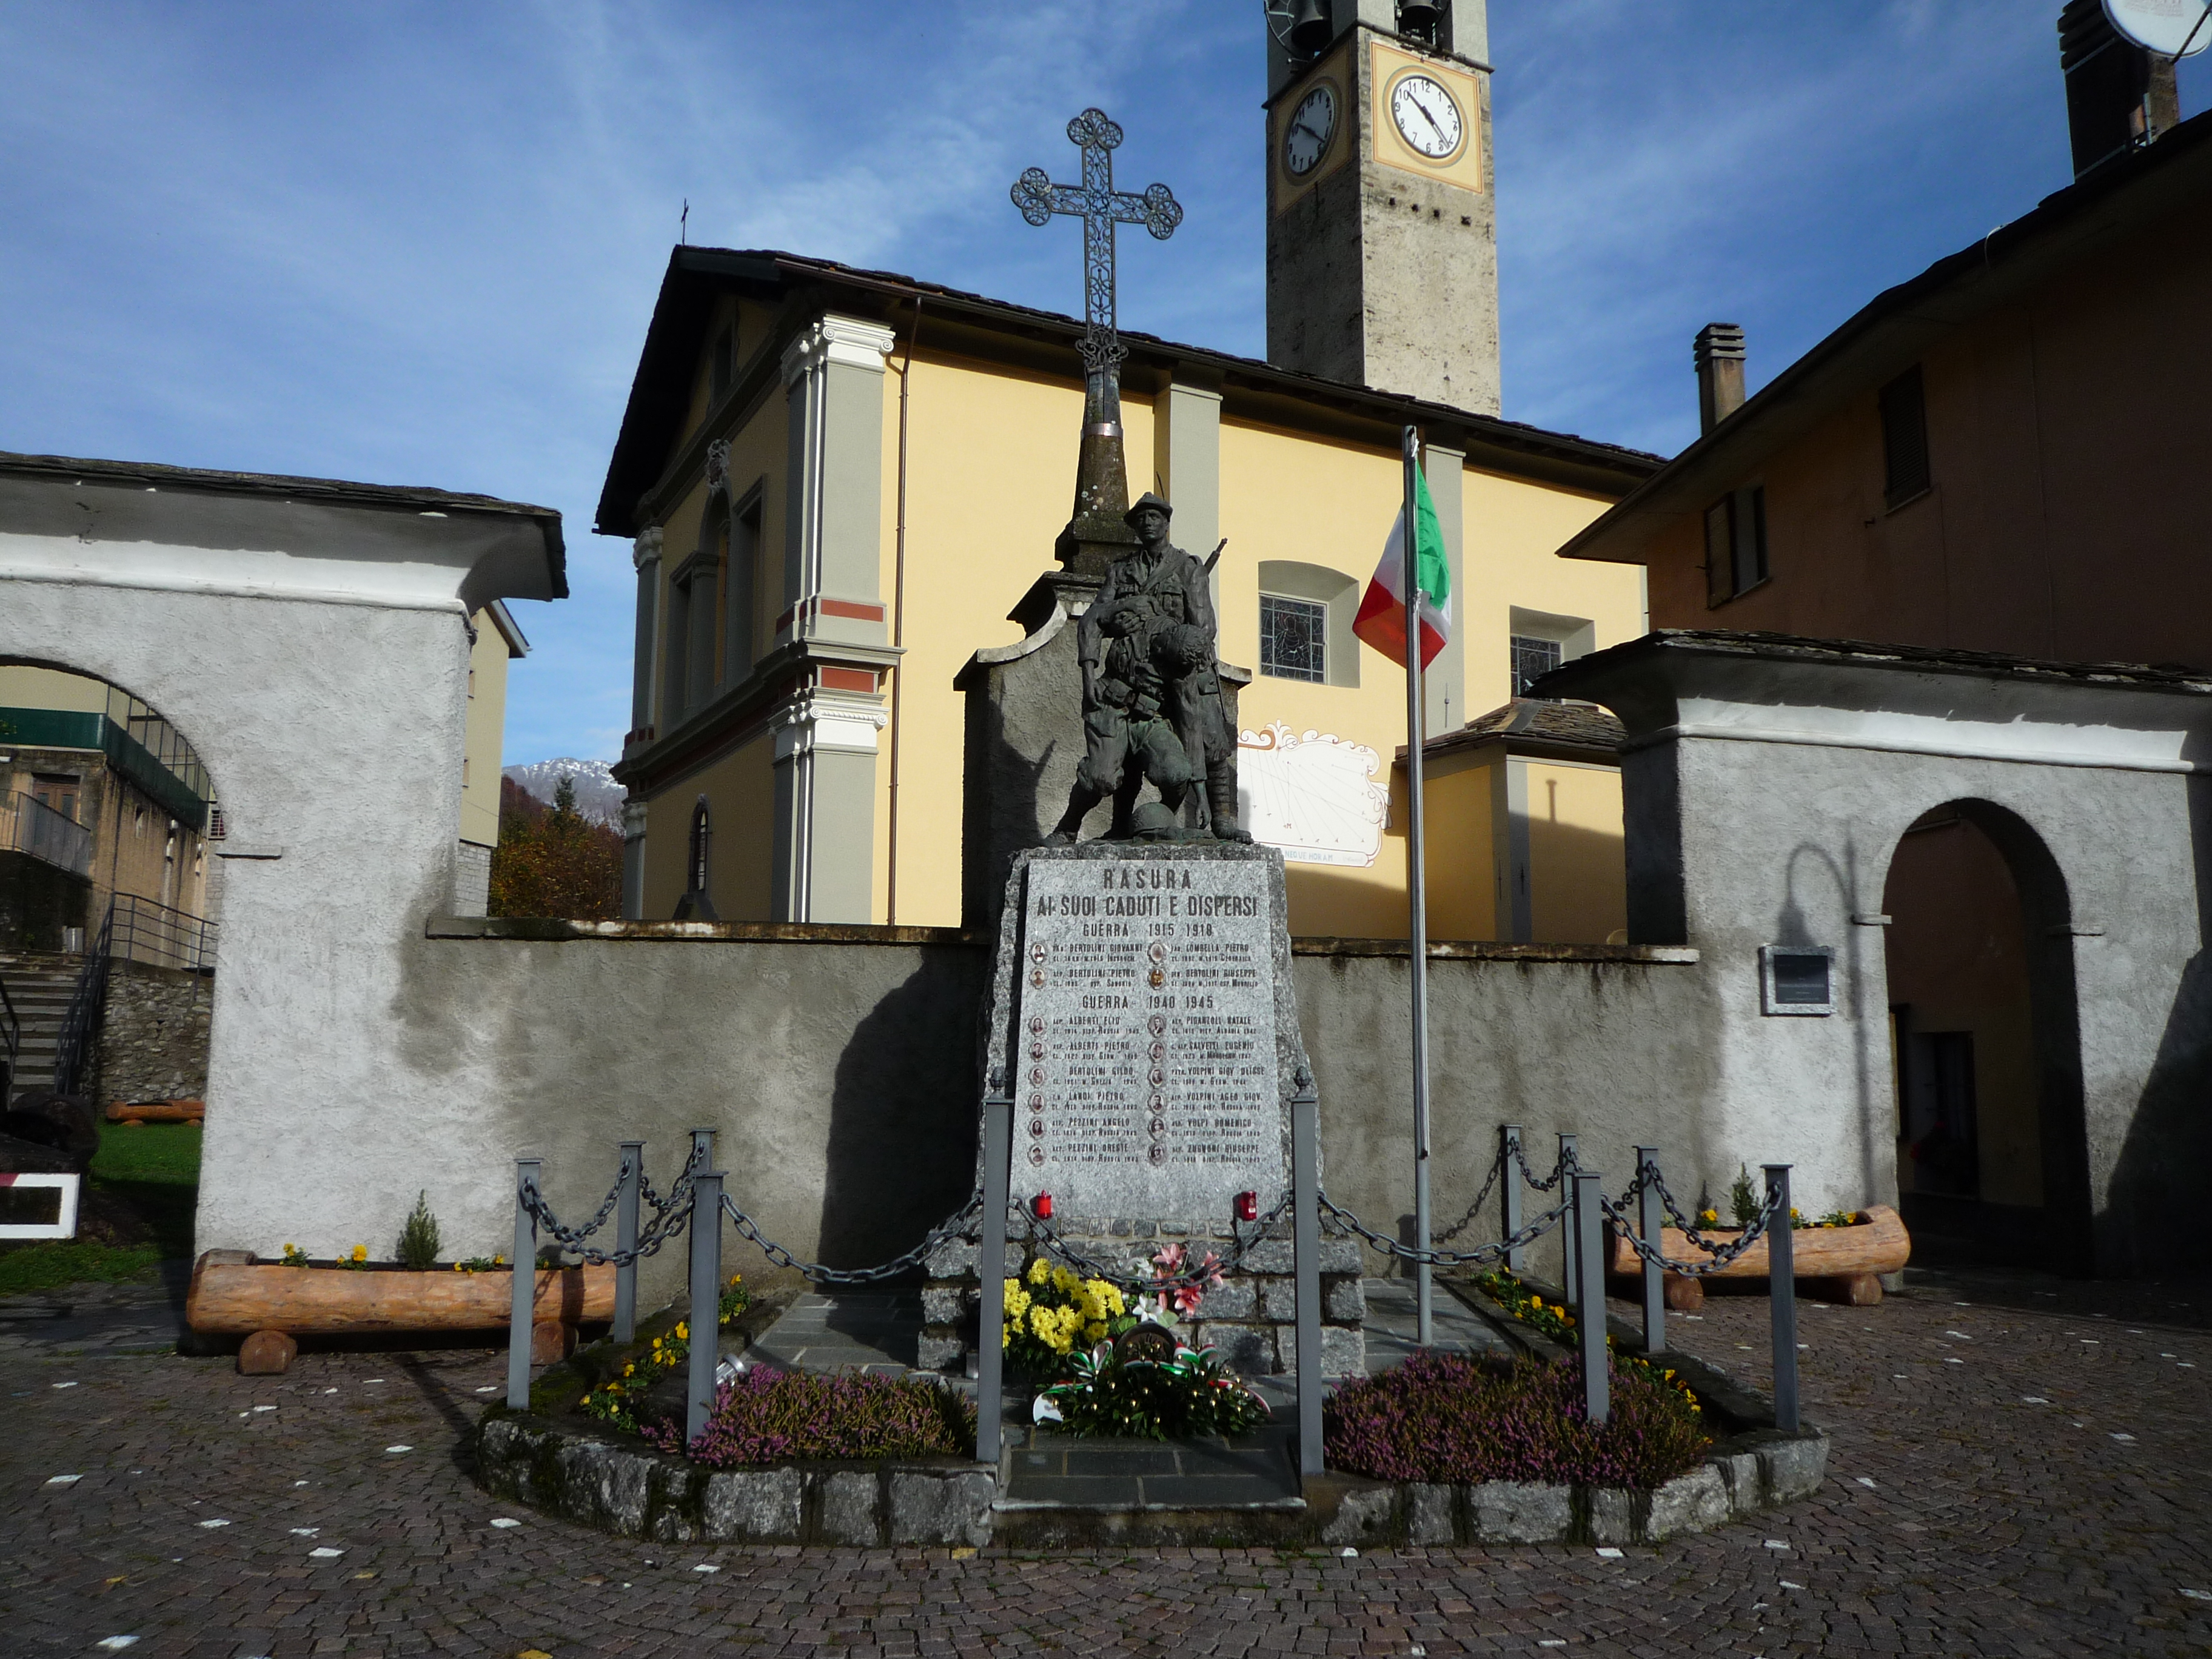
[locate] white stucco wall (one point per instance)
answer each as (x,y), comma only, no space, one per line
(315,653)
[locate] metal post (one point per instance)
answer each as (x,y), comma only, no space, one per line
(1590,1298)
(1305,1238)
(1651,1225)
(1417,895)
(990,1271)
(1570,1277)
(1508,1176)
(1782,1297)
(520,1318)
(703,1147)
(706,1298)
(633,1169)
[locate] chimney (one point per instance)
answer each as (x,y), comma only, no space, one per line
(2118,95)
(1720,374)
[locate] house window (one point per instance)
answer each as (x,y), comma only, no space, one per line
(1293,638)
(58,794)
(1735,544)
(1904,439)
(1532,659)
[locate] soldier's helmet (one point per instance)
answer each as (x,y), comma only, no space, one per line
(1147,500)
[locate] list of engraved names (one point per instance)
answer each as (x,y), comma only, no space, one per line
(1146,1047)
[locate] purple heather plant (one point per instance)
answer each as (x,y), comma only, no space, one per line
(768,1417)
(1443,1417)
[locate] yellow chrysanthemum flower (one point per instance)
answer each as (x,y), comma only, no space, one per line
(1040,1270)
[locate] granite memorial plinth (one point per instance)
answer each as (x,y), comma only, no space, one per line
(1143,1017)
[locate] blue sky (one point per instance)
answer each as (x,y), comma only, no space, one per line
(419,243)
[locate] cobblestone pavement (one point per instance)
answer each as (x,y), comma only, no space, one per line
(2020,1467)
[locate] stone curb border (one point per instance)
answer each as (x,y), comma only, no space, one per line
(1749,1472)
(644,1495)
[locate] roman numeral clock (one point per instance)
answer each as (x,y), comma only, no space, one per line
(1382,250)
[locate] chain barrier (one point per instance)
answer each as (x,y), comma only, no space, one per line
(1683,1225)
(1566,1164)
(1482,1254)
(668,1225)
(953,1226)
(682,1185)
(1722,1255)
(1497,1168)
(1196,1277)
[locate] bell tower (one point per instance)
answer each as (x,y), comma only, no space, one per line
(1382,218)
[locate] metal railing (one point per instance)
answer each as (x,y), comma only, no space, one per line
(161,936)
(11,1045)
(58,839)
(82,1022)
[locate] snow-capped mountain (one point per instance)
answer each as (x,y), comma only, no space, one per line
(598,797)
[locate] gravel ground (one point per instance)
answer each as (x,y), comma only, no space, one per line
(2021,1466)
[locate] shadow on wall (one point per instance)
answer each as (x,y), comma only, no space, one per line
(902,1154)
(2150,1224)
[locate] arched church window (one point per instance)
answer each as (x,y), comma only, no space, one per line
(703,835)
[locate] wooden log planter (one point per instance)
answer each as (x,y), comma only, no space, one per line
(234,1294)
(1846,1261)
(157,1111)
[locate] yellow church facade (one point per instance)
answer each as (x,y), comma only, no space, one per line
(839,484)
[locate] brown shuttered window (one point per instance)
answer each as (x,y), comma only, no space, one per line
(1735,544)
(1720,559)
(1904,439)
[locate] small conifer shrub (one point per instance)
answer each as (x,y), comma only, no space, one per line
(418,1239)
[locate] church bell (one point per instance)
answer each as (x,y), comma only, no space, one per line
(1420,17)
(1311,30)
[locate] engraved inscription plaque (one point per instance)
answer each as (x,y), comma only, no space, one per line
(1145,1035)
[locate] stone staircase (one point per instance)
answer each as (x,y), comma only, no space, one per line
(40,986)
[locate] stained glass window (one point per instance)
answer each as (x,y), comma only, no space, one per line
(1293,638)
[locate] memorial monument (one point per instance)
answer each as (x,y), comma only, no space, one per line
(1142,1017)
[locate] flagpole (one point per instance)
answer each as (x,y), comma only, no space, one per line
(1416,897)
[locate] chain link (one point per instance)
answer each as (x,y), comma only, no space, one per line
(666,1225)
(1497,1168)
(661,1205)
(1482,1254)
(953,1226)
(1565,1164)
(1722,1255)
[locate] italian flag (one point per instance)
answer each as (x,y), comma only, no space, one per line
(1381,618)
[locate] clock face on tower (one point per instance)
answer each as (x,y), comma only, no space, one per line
(1305,141)
(1425,116)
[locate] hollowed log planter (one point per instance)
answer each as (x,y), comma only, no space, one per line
(229,1298)
(1846,1261)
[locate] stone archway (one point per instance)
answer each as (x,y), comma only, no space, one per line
(1984,1039)
(311,639)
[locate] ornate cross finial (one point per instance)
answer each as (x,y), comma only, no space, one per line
(1102,485)
(1101,207)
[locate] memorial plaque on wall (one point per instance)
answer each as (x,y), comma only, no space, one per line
(1148,991)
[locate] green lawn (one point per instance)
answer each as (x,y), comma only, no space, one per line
(153,1172)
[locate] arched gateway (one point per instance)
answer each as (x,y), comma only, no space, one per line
(1778,787)
(312,637)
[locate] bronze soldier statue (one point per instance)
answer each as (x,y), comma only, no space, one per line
(1152,698)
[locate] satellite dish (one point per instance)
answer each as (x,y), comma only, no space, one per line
(2172,28)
